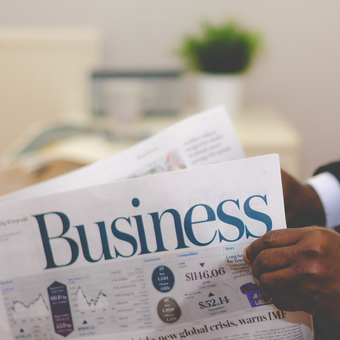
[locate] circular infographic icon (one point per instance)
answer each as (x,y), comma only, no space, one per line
(163,279)
(168,310)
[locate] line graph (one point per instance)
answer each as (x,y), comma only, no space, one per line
(36,307)
(85,303)
(28,301)
(32,303)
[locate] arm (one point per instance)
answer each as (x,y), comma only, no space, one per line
(303,206)
(333,168)
(315,203)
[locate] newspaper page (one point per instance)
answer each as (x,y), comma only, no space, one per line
(151,258)
(205,138)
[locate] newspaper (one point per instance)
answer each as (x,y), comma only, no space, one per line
(148,258)
(201,139)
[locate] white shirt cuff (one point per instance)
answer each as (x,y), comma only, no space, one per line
(327,187)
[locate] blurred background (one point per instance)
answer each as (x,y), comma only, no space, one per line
(296,73)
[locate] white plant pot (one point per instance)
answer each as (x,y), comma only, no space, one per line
(214,90)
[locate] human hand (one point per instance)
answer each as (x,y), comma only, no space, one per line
(299,269)
(302,204)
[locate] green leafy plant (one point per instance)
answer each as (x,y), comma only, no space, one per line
(225,48)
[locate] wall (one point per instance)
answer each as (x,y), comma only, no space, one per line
(297,73)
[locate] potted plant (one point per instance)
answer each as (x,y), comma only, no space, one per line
(220,54)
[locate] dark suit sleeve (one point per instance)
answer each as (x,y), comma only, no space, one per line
(333,168)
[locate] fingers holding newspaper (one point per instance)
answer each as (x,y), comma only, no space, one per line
(298,273)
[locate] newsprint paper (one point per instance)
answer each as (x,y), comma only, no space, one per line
(156,257)
(205,138)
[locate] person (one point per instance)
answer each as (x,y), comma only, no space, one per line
(310,204)
(299,267)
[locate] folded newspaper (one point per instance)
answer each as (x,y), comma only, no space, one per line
(105,252)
